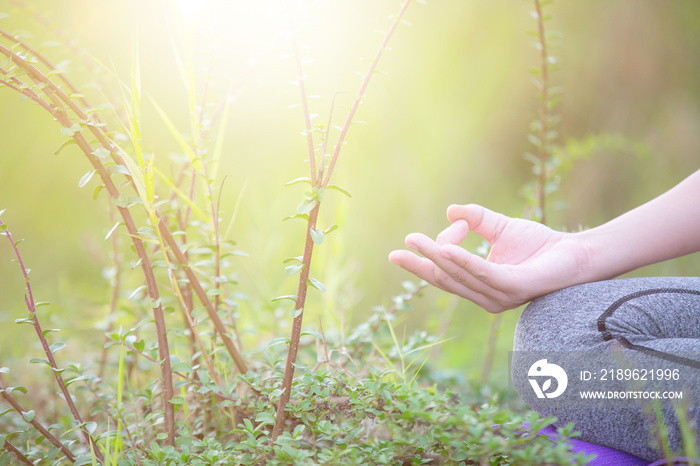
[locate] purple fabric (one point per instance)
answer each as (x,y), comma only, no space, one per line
(605,456)
(679,461)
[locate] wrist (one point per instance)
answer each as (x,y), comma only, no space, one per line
(593,259)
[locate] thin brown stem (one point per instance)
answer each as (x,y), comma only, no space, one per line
(18,454)
(186,290)
(215,223)
(37,425)
(32,95)
(152,287)
(302,289)
(490,348)
(31,307)
(59,98)
(217,271)
(194,332)
(301,79)
(324,143)
(363,89)
(46,63)
(60,113)
(219,326)
(59,107)
(116,287)
(542,151)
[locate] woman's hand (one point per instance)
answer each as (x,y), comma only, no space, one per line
(527,259)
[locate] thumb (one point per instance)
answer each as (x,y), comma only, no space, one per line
(482,221)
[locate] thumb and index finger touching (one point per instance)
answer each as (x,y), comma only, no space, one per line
(463,219)
(482,221)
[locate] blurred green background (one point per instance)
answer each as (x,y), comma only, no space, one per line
(446,124)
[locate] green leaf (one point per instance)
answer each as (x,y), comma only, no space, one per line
(118,170)
(111,230)
(312,333)
(295,258)
(338,188)
(70,131)
(101,153)
(265,418)
(18,389)
(317,236)
(67,131)
(28,416)
(90,427)
(534,140)
(294,313)
(317,284)
(291,297)
(64,145)
(301,216)
(56,347)
(277,341)
(125,201)
(306,206)
(39,361)
(302,179)
(86,178)
(140,345)
(96,191)
(293,269)
(182,366)
(177,400)
(137,291)
(329,229)
(78,379)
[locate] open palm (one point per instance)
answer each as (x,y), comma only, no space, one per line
(527,259)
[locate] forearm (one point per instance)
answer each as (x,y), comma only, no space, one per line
(663,228)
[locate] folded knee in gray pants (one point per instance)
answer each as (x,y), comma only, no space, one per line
(618,358)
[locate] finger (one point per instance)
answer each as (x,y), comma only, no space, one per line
(454,234)
(497,278)
(428,271)
(482,221)
(500,288)
(418,241)
(426,268)
(418,266)
(447,275)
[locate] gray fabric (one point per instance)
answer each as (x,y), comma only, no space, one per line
(657,316)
